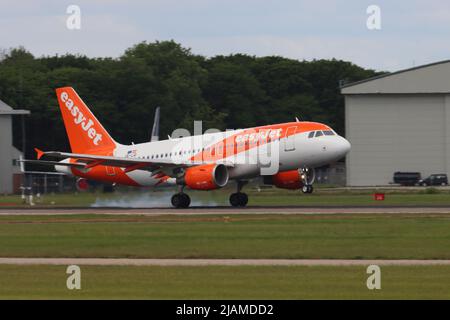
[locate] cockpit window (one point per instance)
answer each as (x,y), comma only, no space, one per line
(319,133)
(311,134)
(328,133)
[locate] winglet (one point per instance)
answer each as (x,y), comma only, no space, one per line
(39,152)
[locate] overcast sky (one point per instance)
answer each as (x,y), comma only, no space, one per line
(412,32)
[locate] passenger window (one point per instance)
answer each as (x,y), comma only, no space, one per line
(311,134)
(319,133)
(328,133)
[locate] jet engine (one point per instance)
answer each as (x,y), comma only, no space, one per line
(205,177)
(82,185)
(292,179)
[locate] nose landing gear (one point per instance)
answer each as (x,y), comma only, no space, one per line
(308,176)
(307,188)
(239,199)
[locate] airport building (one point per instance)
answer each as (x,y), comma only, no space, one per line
(10,174)
(398,122)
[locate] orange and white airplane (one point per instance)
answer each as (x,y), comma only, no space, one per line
(285,154)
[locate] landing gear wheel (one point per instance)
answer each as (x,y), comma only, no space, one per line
(181,200)
(238,199)
(307,188)
(187,200)
(234,199)
(243,199)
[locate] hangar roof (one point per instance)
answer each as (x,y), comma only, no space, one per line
(7,110)
(429,78)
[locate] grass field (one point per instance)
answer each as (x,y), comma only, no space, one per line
(366,236)
(340,236)
(266,197)
(244,282)
(363,236)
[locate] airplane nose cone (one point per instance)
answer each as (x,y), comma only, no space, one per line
(340,148)
(345,146)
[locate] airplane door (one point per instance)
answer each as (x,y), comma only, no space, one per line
(110,171)
(289,141)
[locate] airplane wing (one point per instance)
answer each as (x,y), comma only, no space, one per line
(87,161)
(54,163)
(22,167)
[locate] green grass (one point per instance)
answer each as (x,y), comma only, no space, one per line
(267,197)
(366,236)
(64,199)
(216,282)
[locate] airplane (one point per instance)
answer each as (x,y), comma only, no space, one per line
(284,154)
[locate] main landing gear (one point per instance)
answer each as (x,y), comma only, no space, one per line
(181,199)
(239,199)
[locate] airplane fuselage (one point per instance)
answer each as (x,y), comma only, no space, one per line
(248,153)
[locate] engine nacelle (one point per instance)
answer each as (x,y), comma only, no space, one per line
(205,177)
(292,179)
(287,180)
(82,185)
(64,169)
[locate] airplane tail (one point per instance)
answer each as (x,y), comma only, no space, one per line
(85,132)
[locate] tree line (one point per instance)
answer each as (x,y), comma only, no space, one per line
(233,91)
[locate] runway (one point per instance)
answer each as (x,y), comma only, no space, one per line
(226,210)
(214,262)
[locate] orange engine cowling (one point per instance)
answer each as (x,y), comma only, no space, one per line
(205,177)
(288,179)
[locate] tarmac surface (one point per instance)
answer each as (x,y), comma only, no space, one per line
(214,262)
(224,210)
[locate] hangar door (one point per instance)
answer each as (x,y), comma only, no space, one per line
(390,133)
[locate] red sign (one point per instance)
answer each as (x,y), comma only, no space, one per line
(378,196)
